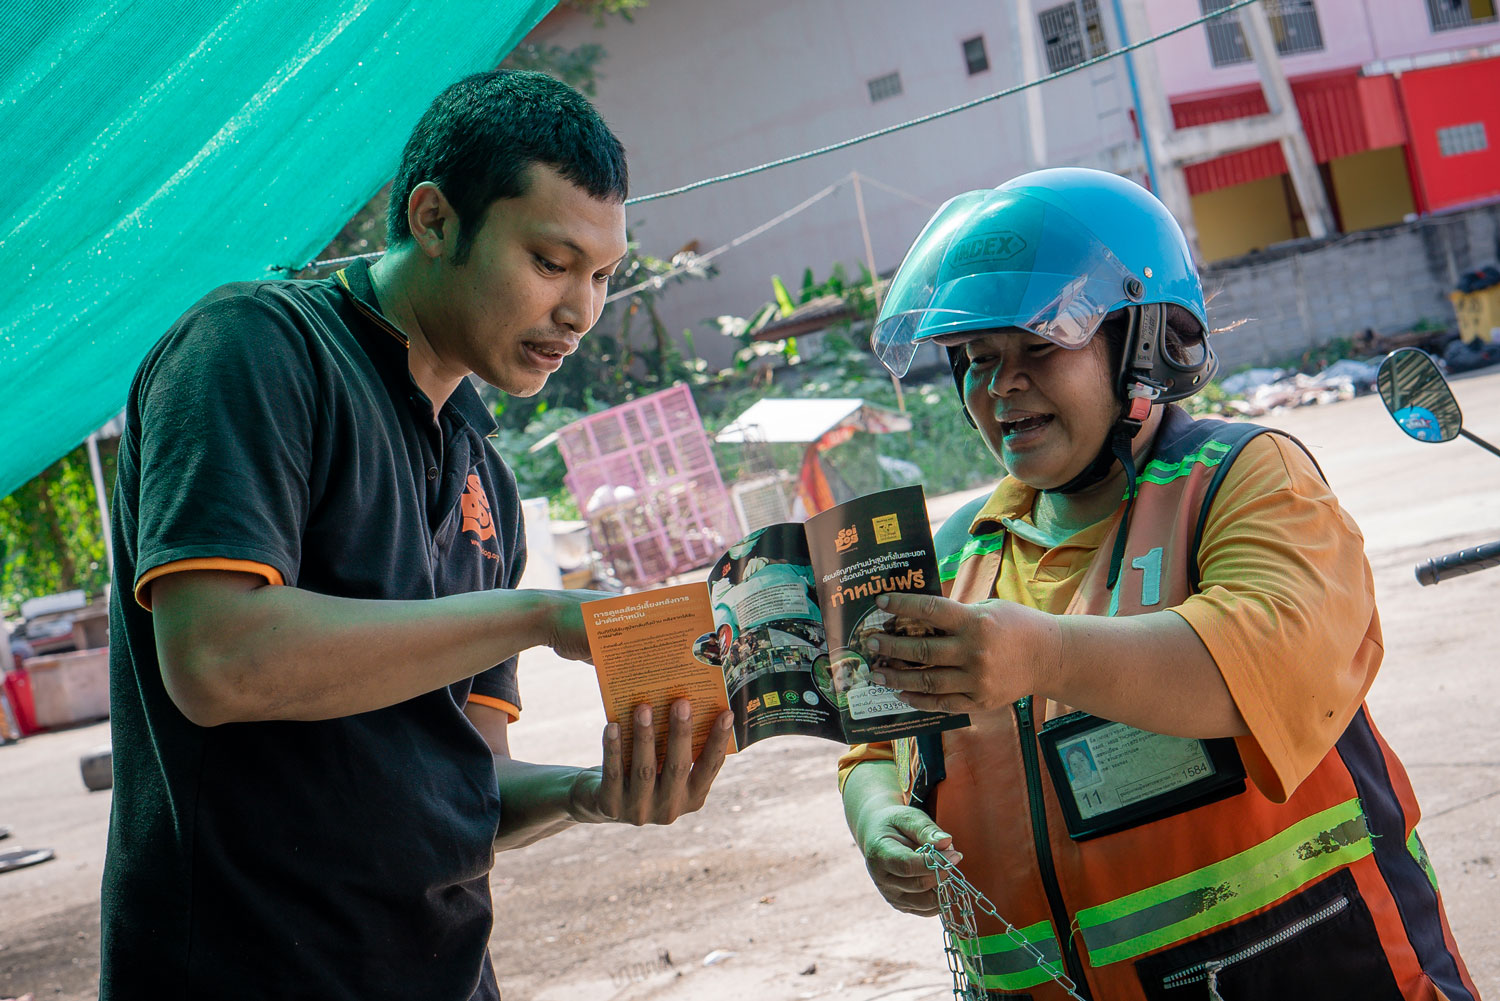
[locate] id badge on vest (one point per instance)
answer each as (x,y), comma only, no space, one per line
(1109,776)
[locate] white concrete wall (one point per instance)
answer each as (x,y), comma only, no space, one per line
(1401,28)
(1355,32)
(696,89)
(541,555)
(1387,280)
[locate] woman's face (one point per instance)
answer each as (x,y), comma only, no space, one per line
(1043,410)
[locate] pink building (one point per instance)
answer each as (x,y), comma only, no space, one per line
(1397,97)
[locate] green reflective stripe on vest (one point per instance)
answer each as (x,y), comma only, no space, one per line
(979,545)
(1001,963)
(1419,852)
(1197,901)
(1211,454)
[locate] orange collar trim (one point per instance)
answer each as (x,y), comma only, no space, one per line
(373,314)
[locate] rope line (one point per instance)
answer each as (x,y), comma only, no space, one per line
(924,203)
(332,261)
(695,260)
(699,260)
(933,116)
(878,133)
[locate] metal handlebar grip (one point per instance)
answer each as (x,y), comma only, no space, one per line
(1459,563)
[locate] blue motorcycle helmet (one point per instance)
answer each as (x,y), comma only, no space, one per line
(1059,253)
(1056,252)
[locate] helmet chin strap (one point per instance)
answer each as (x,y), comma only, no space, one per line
(1138,390)
(1147,325)
(1116,448)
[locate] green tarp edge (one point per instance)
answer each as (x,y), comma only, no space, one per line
(156,150)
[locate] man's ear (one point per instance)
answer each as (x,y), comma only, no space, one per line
(433,222)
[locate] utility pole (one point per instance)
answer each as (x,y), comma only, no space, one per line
(1029,65)
(864,231)
(1135,97)
(1171,149)
(97,468)
(1294,145)
(1154,112)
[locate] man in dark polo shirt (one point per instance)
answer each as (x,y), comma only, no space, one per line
(315,623)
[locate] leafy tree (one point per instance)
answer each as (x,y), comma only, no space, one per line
(577,67)
(51,538)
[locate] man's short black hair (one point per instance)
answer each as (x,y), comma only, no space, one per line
(477,139)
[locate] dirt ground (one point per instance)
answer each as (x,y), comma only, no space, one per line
(761,895)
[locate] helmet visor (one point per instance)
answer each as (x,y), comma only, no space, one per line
(994,260)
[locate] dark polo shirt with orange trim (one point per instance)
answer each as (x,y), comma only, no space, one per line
(276,429)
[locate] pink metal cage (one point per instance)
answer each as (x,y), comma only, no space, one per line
(644,476)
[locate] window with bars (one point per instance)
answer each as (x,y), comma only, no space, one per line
(1456,139)
(1293,22)
(1071,33)
(975,56)
(1446,14)
(883,87)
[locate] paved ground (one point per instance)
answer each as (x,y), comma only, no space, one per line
(765,880)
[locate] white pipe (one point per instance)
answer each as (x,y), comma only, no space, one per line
(98,470)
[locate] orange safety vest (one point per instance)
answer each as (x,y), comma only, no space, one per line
(1328,895)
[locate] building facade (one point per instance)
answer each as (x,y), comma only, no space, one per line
(1396,98)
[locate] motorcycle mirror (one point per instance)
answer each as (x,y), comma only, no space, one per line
(1418,397)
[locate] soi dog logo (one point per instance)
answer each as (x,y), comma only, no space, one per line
(476,510)
(846,539)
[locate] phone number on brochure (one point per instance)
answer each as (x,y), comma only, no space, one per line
(875,700)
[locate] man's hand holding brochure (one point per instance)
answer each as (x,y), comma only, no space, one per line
(779,634)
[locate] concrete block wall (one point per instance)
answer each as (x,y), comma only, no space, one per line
(1301,296)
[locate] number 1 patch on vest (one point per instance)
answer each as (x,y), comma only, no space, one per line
(1109,776)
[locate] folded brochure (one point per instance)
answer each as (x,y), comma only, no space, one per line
(779,631)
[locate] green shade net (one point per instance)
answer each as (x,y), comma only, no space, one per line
(154,150)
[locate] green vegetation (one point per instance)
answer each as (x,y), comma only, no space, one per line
(834,364)
(51,538)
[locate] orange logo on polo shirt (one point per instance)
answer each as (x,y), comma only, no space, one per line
(476,510)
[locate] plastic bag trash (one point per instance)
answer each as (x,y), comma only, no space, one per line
(1459,356)
(718,956)
(1479,279)
(1297,390)
(1243,382)
(1360,374)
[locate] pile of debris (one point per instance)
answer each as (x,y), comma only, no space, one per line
(1258,391)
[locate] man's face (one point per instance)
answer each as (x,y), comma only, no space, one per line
(533,285)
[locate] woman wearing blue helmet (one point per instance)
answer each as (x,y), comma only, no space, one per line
(1162,629)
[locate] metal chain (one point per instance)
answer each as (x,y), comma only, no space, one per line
(957,901)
